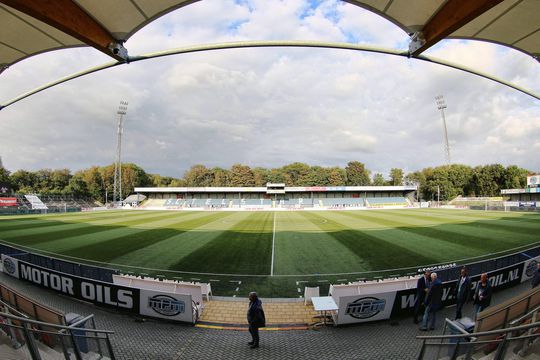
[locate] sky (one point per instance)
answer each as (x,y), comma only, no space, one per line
(274,106)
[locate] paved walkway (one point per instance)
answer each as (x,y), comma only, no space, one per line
(163,340)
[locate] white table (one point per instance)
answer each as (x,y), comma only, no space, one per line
(323,304)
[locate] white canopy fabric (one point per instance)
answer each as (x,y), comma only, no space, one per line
(513,23)
(30,27)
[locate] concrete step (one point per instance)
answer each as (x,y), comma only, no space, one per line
(94,356)
(9,353)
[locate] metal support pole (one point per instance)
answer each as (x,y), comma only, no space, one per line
(30,342)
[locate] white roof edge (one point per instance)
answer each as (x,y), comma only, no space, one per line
(263,189)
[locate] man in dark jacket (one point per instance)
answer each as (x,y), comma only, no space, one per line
(422,287)
(536,278)
(433,303)
(462,292)
(255,318)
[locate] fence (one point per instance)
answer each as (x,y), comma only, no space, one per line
(74,341)
(502,343)
(101,273)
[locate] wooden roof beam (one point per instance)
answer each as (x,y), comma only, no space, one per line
(68,17)
(453,15)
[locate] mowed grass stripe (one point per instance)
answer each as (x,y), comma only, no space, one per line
(468,215)
(68,243)
(303,248)
(63,227)
(112,248)
(13,223)
(406,249)
(456,235)
(378,248)
(168,252)
(244,249)
(502,223)
(483,234)
(34,236)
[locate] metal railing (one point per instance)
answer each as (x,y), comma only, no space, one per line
(464,345)
(523,305)
(75,341)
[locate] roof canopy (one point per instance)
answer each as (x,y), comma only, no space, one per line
(30,27)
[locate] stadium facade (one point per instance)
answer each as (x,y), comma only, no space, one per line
(279,196)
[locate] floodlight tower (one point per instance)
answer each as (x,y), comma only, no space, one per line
(122,110)
(441,105)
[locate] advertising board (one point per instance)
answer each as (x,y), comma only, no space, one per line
(97,292)
(151,303)
(499,279)
(8,201)
(364,308)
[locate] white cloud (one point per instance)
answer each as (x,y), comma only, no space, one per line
(269,107)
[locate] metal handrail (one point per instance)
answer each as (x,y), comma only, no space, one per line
(11,308)
(478,334)
(36,322)
(529,314)
(514,303)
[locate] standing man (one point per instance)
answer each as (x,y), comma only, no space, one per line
(255,318)
(536,278)
(462,292)
(422,287)
(433,303)
(482,295)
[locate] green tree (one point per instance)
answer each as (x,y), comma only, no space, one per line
(489,179)
(5,180)
(222,177)
(357,174)
(24,181)
(94,182)
(296,174)
(276,176)
(337,176)
(198,175)
(378,180)
(396,177)
(515,177)
(77,187)
(261,176)
(241,175)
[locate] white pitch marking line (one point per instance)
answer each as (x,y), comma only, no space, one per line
(273,246)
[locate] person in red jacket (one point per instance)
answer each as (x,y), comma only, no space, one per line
(482,295)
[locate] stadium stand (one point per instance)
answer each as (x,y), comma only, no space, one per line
(31,329)
(36,202)
(509,330)
(387,201)
(343,202)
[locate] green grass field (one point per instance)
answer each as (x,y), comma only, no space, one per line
(280,251)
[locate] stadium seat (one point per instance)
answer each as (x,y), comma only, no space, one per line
(310,292)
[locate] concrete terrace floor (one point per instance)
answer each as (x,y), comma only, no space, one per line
(154,339)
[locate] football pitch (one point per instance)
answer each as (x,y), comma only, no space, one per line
(275,253)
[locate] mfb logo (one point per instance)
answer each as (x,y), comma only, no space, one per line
(365,308)
(166,305)
(9,266)
(531,268)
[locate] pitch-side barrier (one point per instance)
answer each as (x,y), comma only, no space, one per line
(360,302)
(146,300)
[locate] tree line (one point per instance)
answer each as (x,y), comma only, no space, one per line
(95,182)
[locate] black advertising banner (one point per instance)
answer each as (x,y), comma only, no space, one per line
(500,279)
(97,292)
